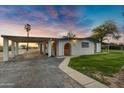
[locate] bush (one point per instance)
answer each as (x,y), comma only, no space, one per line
(113,46)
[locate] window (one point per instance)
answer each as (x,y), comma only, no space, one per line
(85,44)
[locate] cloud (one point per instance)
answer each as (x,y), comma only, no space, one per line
(53,21)
(69,11)
(51,11)
(65,16)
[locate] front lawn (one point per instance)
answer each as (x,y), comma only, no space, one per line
(106,64)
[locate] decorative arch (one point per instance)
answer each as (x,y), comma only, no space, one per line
(67,49)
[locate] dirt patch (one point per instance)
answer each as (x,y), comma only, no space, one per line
(111,81)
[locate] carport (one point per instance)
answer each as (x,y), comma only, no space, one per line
(43,42)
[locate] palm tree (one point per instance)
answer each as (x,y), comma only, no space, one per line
(28,28)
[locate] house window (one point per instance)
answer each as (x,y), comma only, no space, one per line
(85,44)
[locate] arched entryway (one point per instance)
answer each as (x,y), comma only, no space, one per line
(67,49)
(54,49)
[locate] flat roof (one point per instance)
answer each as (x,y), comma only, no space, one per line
(26,39)
(40,39)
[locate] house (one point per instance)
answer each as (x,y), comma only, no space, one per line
(53,46)
(75,46)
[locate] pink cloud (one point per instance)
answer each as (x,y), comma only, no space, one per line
(52,11)
(70,13)
(10,28)
(37,14)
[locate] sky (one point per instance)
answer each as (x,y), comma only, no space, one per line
(57,21)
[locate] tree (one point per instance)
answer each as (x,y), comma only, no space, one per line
(108,29)
(28,28)
(70,35)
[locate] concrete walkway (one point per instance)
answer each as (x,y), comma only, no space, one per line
(35,73)
(84,80)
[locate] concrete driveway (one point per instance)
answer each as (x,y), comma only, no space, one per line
(35,73)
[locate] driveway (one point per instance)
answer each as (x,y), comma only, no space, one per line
(35,73)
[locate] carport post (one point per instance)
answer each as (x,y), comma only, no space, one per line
(44,48)
(40,45)
(16,49)
(49,48)
(5,49)
(13,48)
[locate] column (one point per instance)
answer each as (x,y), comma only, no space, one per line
(40,45)
(57,49)
(17,49)
(5,49)
(13,48)
(44,48)
(49,48)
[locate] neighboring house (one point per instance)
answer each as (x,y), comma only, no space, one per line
(52,46)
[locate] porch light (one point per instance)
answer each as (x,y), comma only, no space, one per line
(52,41)
(74,40)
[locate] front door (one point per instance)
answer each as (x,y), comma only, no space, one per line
(67,49)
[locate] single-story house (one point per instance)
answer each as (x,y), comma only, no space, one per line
(75,46)
(53,46)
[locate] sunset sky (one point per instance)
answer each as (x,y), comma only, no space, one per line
(56,21)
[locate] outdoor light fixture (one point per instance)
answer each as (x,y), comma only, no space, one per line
(74,40)
(52,41)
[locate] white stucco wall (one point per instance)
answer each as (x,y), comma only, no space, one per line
(98,47)
(76,47)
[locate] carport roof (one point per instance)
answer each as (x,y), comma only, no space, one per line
(26,39)
(40,39)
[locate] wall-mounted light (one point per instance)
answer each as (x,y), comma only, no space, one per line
(74,40)
(52,41)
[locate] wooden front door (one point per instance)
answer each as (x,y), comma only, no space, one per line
(67,49)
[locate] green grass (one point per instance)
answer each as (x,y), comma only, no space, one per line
(107,63)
